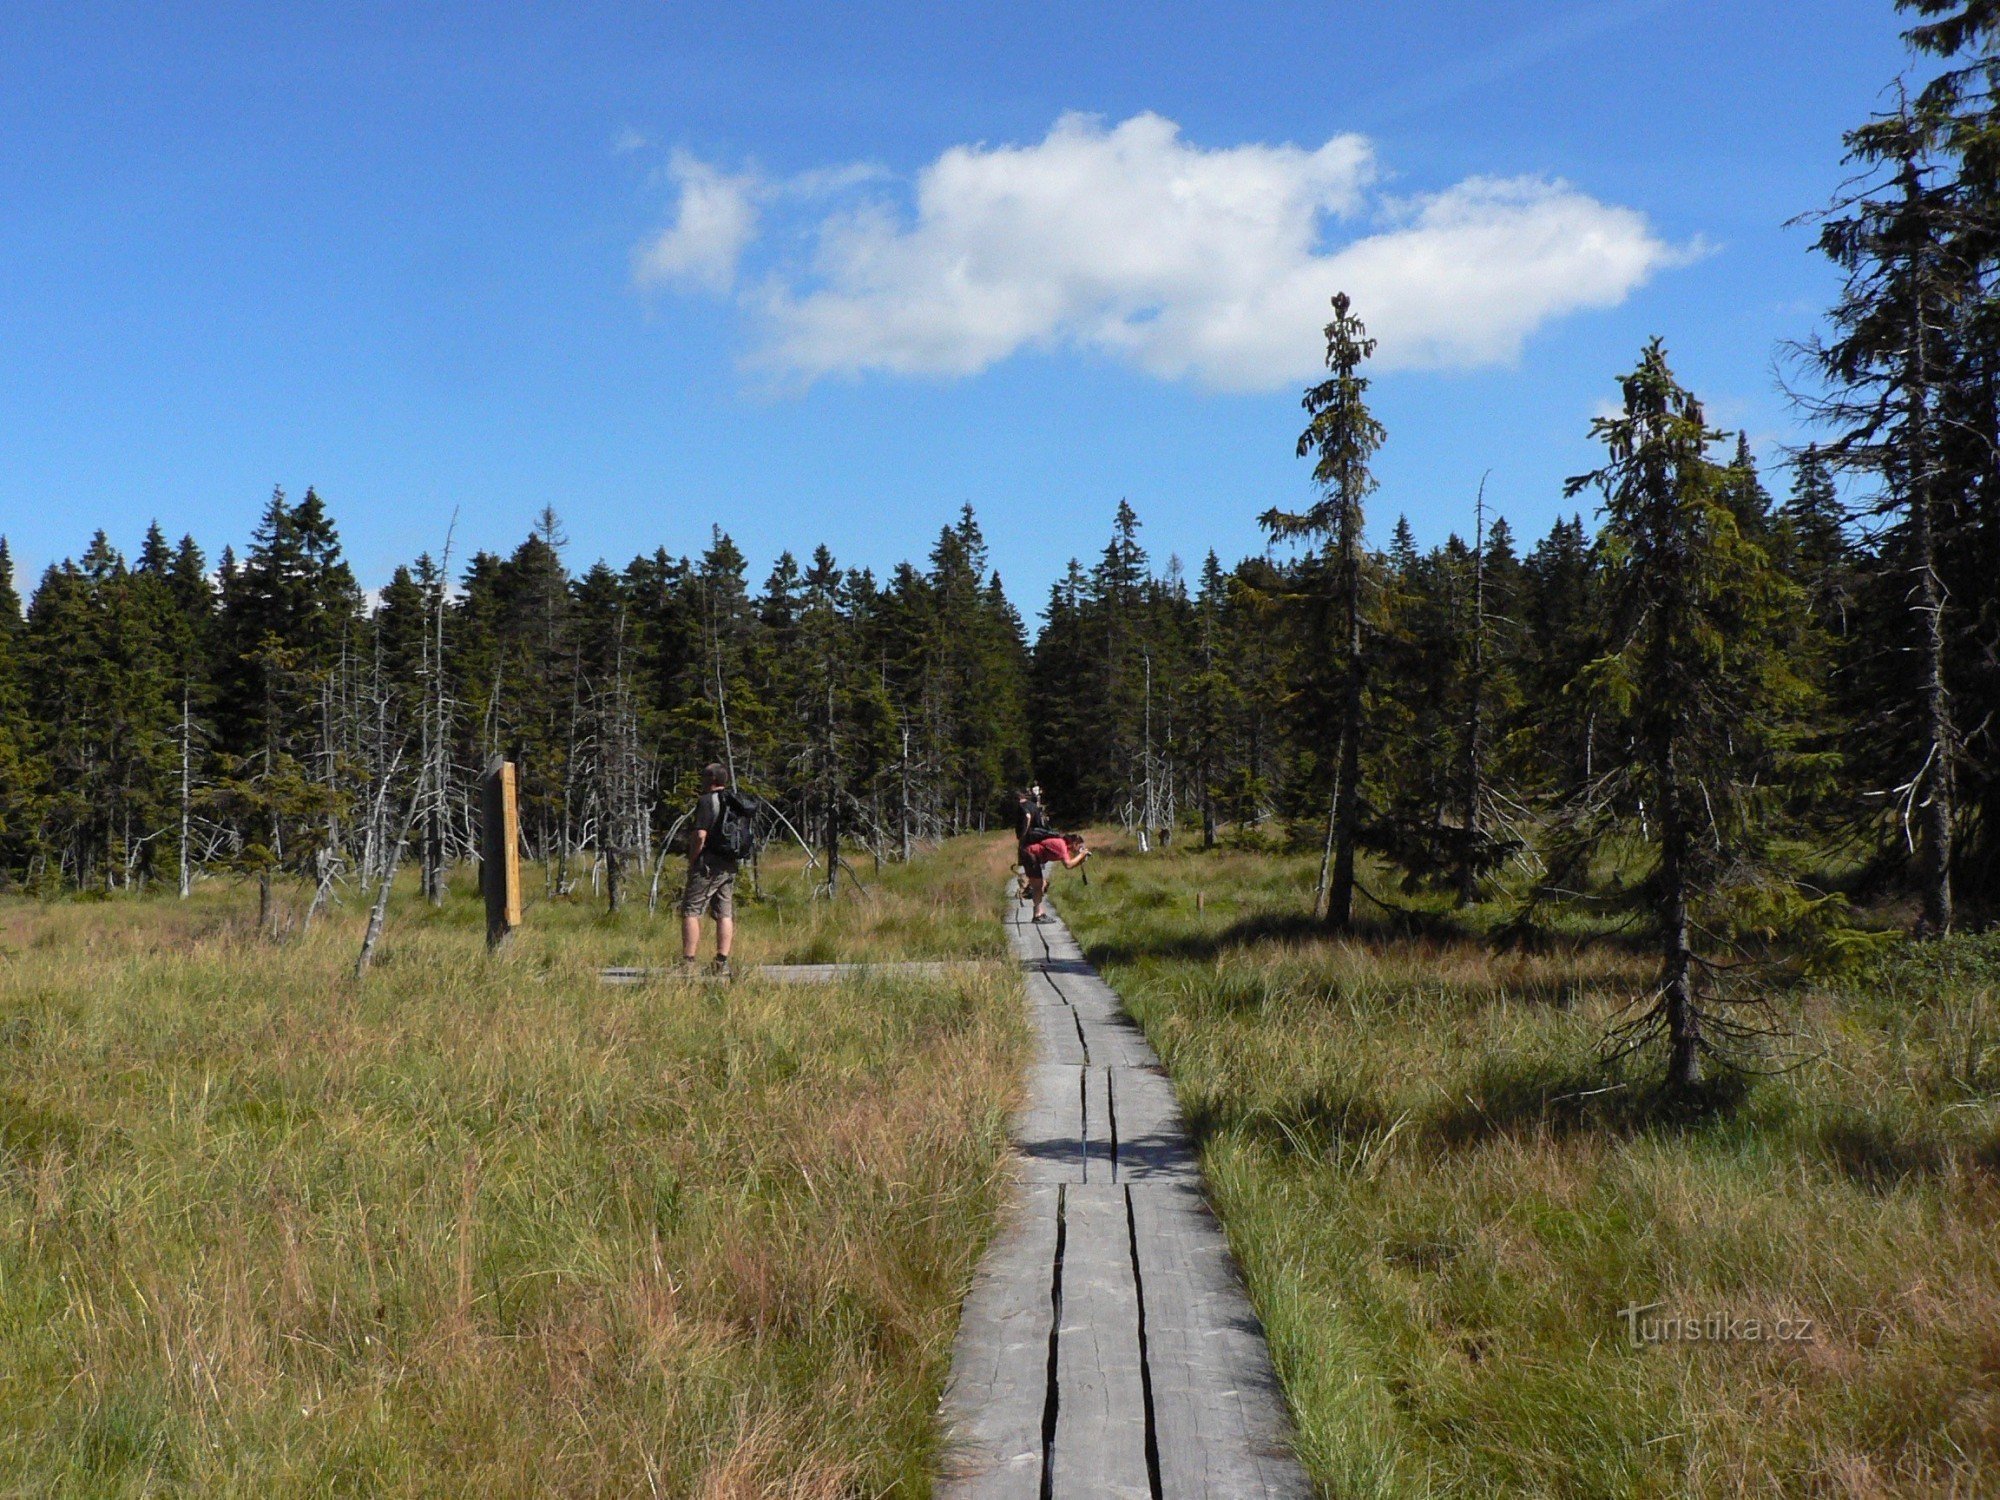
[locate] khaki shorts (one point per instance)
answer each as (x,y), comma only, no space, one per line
(710,891)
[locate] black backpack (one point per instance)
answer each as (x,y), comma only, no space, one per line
(737,835)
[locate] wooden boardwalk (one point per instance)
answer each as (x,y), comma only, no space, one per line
(1107,1348)
(805,973)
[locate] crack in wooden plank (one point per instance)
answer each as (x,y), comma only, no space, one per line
(1052,1401)
(1145,1357)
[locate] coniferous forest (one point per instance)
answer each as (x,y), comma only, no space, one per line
(1738,702)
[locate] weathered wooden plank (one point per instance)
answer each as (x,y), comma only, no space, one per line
(1100,1434)
(1220,1424)
(1056,1037)
(809,973)
(1048,1133)
(997,1396)
(1109,1035)
(1058,941)
(1023,939)
(1153,1145)
(1043,989)
(933,968)
(1115,1043)
(1085,988)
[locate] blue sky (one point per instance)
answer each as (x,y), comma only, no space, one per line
(825,273)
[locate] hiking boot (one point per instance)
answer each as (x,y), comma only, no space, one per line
(720,968)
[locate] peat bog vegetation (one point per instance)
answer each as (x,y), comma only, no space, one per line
(491,1227)
(496,1227)
(1442,1201)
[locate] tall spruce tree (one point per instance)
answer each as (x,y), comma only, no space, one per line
(1691,674)
(1896,234)
(1964,100)
(1342,436)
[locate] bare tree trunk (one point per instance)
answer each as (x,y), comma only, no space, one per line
(378,913)
(329,866)
(830,752)
(187,789)
(1149,811)
(1326,849)
(1936,780)
(903,802)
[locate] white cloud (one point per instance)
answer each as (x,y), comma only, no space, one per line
(628,141)
(717,218)
(1128,241)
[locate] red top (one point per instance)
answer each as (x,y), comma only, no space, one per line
(1055,849)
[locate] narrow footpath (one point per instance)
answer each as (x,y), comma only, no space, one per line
(1107,1347)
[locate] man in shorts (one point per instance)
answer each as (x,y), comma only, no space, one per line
(711,877)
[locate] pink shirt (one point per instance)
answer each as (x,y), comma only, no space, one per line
(1049,850)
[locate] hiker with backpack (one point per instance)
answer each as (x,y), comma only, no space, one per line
(724,835)
(1030,813)
(1041,848)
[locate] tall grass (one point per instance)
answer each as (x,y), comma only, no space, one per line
(489,1227)
(1442,1202)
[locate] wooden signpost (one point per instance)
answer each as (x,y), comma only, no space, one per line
(499,851)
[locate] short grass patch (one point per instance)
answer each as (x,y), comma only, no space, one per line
(491,1228)
(1443,1203)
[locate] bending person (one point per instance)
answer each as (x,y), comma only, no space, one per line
(1065,849)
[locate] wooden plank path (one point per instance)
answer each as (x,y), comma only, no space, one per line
(1107,1347)
(804,973)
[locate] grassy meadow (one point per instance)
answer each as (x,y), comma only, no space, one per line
(1442,1202)
(484,1227)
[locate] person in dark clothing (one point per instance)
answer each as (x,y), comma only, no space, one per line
(1029,814)
(711,876)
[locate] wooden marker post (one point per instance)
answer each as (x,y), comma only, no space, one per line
(499,851)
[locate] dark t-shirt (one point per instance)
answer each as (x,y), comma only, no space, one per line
(707,818)
(1031,816)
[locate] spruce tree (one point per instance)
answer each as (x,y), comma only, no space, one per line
(1895,235)
(21,774)
(1814,544)
(1342,436)
(1691,673)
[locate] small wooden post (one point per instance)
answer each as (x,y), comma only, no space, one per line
(499,851)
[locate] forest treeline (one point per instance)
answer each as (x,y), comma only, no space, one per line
(1789,692)
(160,720)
